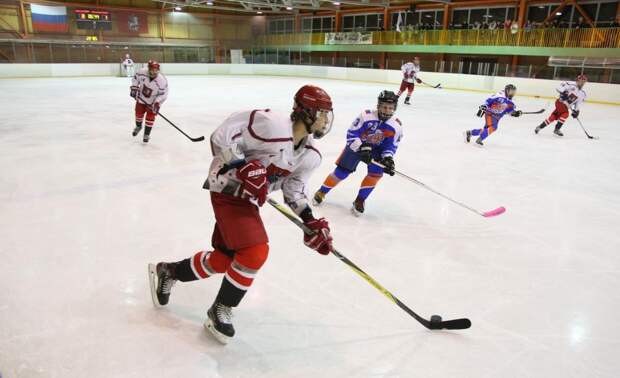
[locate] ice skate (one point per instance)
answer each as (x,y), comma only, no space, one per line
(219,322)
(467,136)
(161,281)
(318,198)
(358,207)
(479,142)
(136,130)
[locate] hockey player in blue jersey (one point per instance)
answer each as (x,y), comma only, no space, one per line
(493,109)
(374,135)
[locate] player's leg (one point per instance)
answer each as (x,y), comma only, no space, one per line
(489,127)
(403,87)
(368,185)
(241,229)
(345,165)
(148,123)
(140,109)
(550,119)
(562,115)
(409,92)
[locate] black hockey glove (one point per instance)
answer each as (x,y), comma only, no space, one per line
(133,92)
(388,165)
(365,153)
(575,113)
(564,96)
(481,110)
(516,113)
(419,81)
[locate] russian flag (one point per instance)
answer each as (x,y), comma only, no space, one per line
(49,19)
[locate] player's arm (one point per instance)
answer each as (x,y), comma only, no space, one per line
(135,85)
(162,95)
(487,104)
(391,144)
(577,105)
(354,133)
(295,196)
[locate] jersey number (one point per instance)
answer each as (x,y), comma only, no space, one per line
(147,92)
(572,98)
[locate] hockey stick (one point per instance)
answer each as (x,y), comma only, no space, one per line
(486,214)
(536,112)
(435,323)
(584,130)
(199,139)
(438,86)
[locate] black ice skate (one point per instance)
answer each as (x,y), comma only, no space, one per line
(219,322)
(136,130)
(407,100)
(558,132)
(318,198)
(358,207)
(161,281)
(479,142)
(467,136)
(539,127)
(146,138)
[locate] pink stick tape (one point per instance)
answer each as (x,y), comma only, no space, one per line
(496,212)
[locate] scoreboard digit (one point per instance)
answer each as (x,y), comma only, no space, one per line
(93,19)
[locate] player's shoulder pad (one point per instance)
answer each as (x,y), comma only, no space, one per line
(268,126)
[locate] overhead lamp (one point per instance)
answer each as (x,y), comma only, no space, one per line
(178,8)
(209,2)
(289,8)
(558,13)
(259,12)
(336,3)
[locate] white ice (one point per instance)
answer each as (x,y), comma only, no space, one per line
(84,207)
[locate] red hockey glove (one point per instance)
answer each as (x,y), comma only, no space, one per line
(321,239)
(419,81)
(155,107)
(253,176)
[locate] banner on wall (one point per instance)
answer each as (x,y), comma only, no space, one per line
(133,22)
(351,38)
(49,18)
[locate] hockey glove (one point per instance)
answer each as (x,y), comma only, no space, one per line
(564,96)
(419,81)
(516,113)
(155,107)
(253,177)
(365,153)
(388,165)
(481,110)
(321,239)
(133,92)
(575,113)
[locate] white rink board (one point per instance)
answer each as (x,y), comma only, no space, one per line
(597,92)
(84,207)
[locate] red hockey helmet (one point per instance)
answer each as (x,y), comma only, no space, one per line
(313,107)
(153,65)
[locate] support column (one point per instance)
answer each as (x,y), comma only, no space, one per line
(22,14)
(297,26)
(515,62)
(338,28)
(446,16)
(162,27)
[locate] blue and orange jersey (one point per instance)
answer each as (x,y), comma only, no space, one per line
(499,105)
(383,136)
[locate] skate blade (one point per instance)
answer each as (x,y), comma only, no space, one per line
(317,203)
(355,212)
(209,326)
(152,269)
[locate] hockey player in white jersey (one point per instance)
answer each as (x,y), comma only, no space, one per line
(128,67)
(150,89)
(410,76)
(254,153)
(571,97)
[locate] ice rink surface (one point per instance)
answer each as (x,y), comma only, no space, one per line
(84,207)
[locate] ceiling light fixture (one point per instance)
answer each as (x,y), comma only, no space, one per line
(209,2)
(289,8)
(336,3)
(178,8)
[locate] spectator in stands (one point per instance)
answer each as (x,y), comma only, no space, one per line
(476,25)
(528,26)
(493,25)
(581,24)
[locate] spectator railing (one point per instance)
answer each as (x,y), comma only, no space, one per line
(568,38)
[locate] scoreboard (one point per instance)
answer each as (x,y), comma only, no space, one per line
(93,19)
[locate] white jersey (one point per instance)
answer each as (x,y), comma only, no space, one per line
(127,63)
(410,71)
(576,96)
(150,91)
(268,137)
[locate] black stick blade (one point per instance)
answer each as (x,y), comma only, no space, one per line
(453,324)
(199,139)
